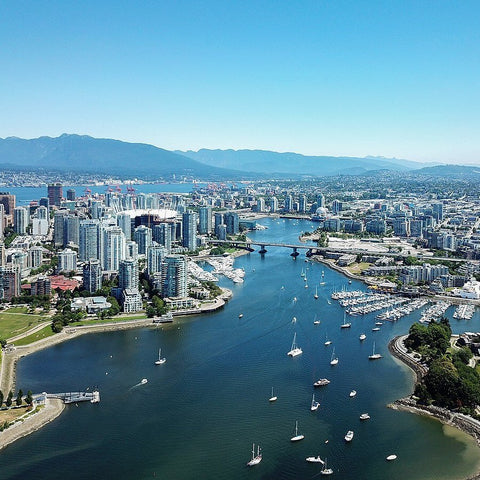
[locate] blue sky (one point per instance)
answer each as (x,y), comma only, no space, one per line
(398,78)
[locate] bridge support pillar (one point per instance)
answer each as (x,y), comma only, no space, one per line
(262,249)
(309,253)
(294,254)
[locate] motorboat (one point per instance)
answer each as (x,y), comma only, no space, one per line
(362,337)
(316,459)
(391,458)
(349,436)
(353,393)
(143,381)
(364,416)
(321,382)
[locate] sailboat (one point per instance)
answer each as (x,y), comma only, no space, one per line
(316,293)
(345,324)
(374,356)
(316,322)
(160,360)
(256,459)
(315,404)
(334,359)
(327,341)
(273,398)
(295,350)
(325,470)
(297,437)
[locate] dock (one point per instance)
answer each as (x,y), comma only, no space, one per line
(75,397)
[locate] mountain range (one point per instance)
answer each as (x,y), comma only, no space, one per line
(70,152)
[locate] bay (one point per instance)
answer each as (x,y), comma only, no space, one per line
(200,412)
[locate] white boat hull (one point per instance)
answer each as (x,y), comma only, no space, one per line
(297,438)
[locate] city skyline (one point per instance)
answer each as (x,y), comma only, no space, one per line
(315,77)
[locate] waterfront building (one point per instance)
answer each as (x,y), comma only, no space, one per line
(10,281)
(162,234)
(131,300)
(41,286)
(67,260)
(88,247)
(232,222)
(174,276)
(189,229)
(205,220)
(71,195)
(218,220)
(92,276)
(425,273)
(273,204)
(288,206)
(143,238)
(55,194)
(8,202)
(128,274)
(260,207)
(302,203)
(221,231)
(20,220)
(320,200)
(155,255)
(332,224)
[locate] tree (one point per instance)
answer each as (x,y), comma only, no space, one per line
(29,398)
(18,401)
(8,402)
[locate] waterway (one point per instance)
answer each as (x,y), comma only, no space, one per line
(200,412)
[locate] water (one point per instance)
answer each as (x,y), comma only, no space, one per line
(24,195)
(200,412)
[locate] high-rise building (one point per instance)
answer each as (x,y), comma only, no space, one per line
(205,220)
(232,222)
(128,274)
(55,194)
(59,228)
(273,204)
(438,211)
(174,276)
(71,231)
(67,260)
(10,281)
(88,246)
(155,255)
(260,204)
(41,286)
(20,220)
(320,200)
(71,195)
(189,229)
(92,276)
(8,202)
(288,207)
(124,221)
(132,249)
(143,238)
(2,221)
(221,231)
(44,202)
(113,248)
(162,234)
(41,213)
(35,257)
(336,207)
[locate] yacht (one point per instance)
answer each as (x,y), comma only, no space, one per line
(315,404)
(325,470)
(353,393)
(144,381)
(364,416)
(256,459)
(160,360)
(316,459)
(295,350)
(349,436)
(321,382)
(297,437)
(374,356)
(334,359)
(345,324)
(376,329)
(327,341)
(391,457)
(362,337)
(273,398)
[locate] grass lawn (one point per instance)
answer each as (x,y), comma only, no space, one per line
(106,320)
(13,323)
(43,333)
(17,310)
(357,268)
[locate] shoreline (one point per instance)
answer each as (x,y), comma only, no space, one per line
(462,422)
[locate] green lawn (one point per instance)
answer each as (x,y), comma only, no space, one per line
(13,323)
(106,320)
(43,333)
(17,310)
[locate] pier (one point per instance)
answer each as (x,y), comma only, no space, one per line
(75,397)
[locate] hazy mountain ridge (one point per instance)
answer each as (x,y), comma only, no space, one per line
(294,163)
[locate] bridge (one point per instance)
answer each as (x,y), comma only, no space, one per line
(314,250)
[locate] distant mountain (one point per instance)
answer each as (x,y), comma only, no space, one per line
(450,170)
(99,155)
(293,163)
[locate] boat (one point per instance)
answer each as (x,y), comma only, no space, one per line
(334,359)
(345,324)
(306,285)
(349,436)
(379,324)
(273,398)
(315,404)
(327,341)
(295,350)
(364,416)
(143,381)
(321,382)
(241,315)
(316,293)
(316,322)
(323,273)
(256,459)
(349,282)
(325,470)
(353,393)
(160,360)
(316,459)
(376,329)
(362,337)
(374,356)
(391,457)
(297,437)
(321,284)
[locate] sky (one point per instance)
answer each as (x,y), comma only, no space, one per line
(393,78)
